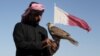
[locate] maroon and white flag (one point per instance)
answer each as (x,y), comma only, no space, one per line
(62,17)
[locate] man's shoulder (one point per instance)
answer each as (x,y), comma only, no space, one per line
(18,23)
(42,27)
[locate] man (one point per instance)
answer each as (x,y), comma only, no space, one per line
(28,34)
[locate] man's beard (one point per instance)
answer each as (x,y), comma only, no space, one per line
(34,20)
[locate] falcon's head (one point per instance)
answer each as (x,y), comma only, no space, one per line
(50,25)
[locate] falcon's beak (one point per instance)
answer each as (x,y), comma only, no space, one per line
(48,24)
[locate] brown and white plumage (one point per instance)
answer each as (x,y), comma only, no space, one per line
(61,34)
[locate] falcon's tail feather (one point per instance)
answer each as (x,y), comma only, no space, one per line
(74,42)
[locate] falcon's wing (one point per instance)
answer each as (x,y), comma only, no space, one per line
(63,35)
(58,32)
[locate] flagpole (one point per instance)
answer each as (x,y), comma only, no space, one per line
(54,13)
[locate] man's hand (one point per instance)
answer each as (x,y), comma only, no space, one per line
(49,43)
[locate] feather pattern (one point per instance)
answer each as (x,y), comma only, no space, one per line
(61,34)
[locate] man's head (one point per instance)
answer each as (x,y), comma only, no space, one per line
(33,12)
(36,8)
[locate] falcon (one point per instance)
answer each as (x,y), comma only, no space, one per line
(58,33)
